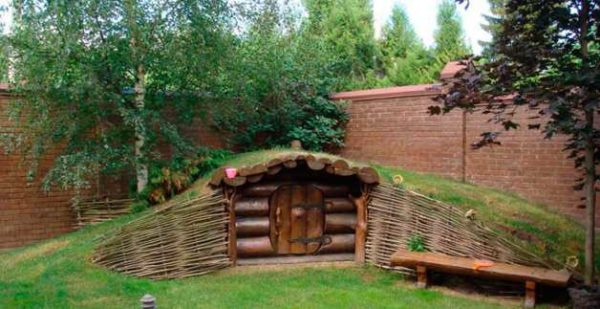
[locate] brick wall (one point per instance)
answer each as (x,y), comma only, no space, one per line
(392,127)
(27,214)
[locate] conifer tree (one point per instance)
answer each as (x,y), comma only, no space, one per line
(346,26)
(449,36)
(405,59)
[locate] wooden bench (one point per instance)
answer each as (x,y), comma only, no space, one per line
(422,261)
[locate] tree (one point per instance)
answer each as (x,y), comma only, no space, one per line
(4,51)
(399,37)
(346,27)
(449,36)
(493,25)
(546,56)
(98,77)
(405,59)
(277,82)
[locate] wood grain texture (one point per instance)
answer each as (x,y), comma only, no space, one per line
(254,247)
(252,226)
(465,266)
(340,223)
(314,218)
(297,220)
(252,206)
(340,243)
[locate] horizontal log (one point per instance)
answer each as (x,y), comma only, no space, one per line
(253,170)
(340,223)
(252,207)
(368,175)
(254,247)
(339,205)
(340,243)
(290,164)
(235,181)
(265,189)
(255,178)
(298,259)
(253,226)
(273,170)
(332,190)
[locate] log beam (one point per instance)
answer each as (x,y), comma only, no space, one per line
(252,226)
(254,247)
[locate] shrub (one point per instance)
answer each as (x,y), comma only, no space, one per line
(168,178)
(416,243)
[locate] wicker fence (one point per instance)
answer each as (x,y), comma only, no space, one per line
(397,215)
(189,238)
(97,210)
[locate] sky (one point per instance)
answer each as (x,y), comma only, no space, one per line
(422,15)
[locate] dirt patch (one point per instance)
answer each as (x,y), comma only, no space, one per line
(36,251)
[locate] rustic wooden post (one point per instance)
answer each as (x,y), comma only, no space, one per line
(361,227)
(529,294)
(148,302)
(231,230)
(422,277)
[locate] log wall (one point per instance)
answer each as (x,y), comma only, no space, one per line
(253,224)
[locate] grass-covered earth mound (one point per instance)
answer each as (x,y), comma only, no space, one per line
(57,273)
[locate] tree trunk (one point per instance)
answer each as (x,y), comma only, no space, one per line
(590,200)
(141,169)
(590,149)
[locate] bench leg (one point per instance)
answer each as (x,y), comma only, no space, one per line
(529,294)
(422,277)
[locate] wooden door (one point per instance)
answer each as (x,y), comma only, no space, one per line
(297,219)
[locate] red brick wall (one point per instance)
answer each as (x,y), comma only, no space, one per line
(26,213)
(394,128)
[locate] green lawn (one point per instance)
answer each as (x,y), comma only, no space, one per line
(57,273)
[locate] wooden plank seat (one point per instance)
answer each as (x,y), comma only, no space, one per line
(422,261)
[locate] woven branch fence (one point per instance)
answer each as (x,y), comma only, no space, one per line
(97,210)
(396,215)
(189,238)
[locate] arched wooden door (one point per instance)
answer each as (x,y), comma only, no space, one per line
(297,217)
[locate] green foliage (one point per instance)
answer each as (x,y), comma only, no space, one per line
(399,37)
(139,206)
(416,243)
(277,85)
(405,59)
(80,97)
(493,25)
(449,37)
(346,29)
(169,178)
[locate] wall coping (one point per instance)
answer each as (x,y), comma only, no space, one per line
(449,71)
(387,93)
